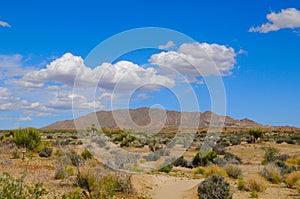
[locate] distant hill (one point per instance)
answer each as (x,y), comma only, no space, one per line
(140,118)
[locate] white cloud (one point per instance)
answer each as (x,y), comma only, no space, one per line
(286,18)
(4,24)
(168,45)
(197,59)
(13,65)
(65,100)
(27,118)
(127,76)
(64,70)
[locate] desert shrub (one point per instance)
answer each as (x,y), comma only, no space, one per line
(214,187)
(103,185)
(240,183)
(152,157)
(119,137)
(72,195)
(214,169)
(28,138)
(283,157)
(232,159)
(271,172)
(254,194)
(14,188)
(180,162)
(200,170)
(60,173)
(219,149)
(166,169)
(284,168)
(235,141)
(15,153)
(293,161)
(220,161)
(59,153)
(45,152)
(75,159)
(270,155)
(86,154)
(293,180)
(233,171)
(202,158)
(49,137)
(255,133)
(255,183)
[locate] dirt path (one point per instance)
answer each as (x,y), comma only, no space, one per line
(162,186)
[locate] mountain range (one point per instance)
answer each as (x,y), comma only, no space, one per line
(142,118)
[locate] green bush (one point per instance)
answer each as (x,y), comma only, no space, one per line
(166,169)
(271,155)
(76,159)
(202,158)
(28,138)
(271,172)
(254,194)
(233,171)
(13,188)
(180,162)
(103,185)
(240,183)
(60,173)
(46,152)
(86,154)
(214,187)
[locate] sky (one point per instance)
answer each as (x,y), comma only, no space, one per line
(235,58)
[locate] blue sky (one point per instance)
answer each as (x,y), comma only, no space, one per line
(254,44)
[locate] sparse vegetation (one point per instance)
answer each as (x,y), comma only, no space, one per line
(46,152)
(271,172)
(202,158)
(271,155)
(16,188)
(28,138)
(293,180)
(233,171)
(214,169)
(86,154)
(255,183)
(214,187)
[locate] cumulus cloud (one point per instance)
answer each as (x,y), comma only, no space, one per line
(197,59)
(65,100)
(69,68)
(27,118)
(286,18)
(5,24)
(12,66)
(168,45)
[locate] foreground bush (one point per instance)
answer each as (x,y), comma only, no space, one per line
(255,183)
(271,155)
(271,172)
(103,185)
(13,188)
(28,138)
(86,154)
(214,187)
(202,158)
(46,152)
(233,170)
(293,180)
(214,170)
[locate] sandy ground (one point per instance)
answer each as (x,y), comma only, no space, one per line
(163,186)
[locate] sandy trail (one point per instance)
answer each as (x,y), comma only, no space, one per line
(162,186)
